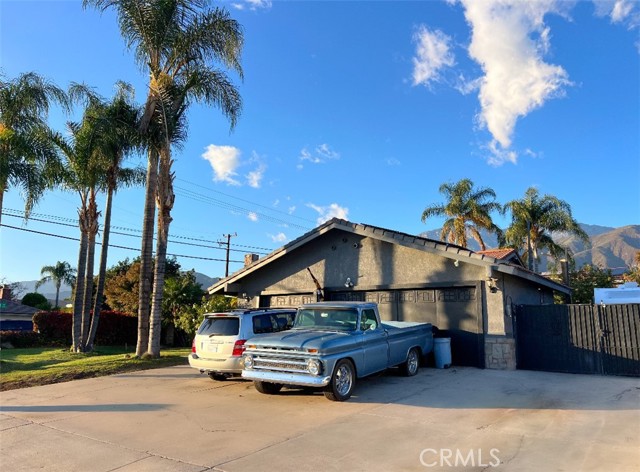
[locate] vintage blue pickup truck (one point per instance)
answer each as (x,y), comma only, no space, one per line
(330,345)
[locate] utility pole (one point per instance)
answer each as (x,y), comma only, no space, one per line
(228,244)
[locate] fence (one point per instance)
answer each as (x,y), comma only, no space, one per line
(586,339)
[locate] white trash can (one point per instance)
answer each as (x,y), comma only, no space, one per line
(442,352)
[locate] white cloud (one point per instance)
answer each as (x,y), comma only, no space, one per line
(508,40)
(278,238)
(252,5)
(392,161)
(320,155)
(626,12)
(433,53)
(252,216)
(327,212)
(224,161)
(255,176)
(498,155)
(291,210)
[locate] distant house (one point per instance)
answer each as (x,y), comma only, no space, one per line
(14,316)
(468,296)
(504,255)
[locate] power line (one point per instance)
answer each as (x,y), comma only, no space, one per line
(229,206)
(213,246)
(70,238)
(246,201)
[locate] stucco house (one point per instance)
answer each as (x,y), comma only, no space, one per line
(468,296)
(14,316)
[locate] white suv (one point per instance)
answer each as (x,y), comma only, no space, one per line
(218,346)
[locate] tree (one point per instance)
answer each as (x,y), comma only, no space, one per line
(180,292)
(468,210)
(83,171)
(188,318)
(533,219)
(633,275)
(122,283)
(61,273)
(176,42)
(12,290)
(584,280)
(25,150)
(117,120)
(36,300)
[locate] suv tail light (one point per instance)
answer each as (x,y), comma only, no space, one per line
(238,347)
(193,346)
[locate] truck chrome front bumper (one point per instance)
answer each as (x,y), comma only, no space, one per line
(286,379)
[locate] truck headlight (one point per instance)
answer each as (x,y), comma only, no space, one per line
(314,366)
(247,361)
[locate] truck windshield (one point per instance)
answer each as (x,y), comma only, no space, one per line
(330,319)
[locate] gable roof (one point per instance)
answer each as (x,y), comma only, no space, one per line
(9,307)
(506,254)
(448,250)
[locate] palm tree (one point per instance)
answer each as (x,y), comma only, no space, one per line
(61,273)
(117,120)
(176,41)
(84,173)
(468,210)
(533,219)
(25,150)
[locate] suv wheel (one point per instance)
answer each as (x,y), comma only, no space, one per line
(217,376)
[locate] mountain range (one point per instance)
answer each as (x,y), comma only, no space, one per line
(610,248)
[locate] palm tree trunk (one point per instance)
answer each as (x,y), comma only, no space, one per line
(534,255)
(146,257)
(166,198)
(2,189)
(58,284)
(92,230)
(102,271)
(79,294)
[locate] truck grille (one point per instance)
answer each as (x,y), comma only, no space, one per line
(279,359)
(280,364)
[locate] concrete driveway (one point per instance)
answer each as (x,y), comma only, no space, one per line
(174,419)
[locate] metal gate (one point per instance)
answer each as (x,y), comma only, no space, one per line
(581,339)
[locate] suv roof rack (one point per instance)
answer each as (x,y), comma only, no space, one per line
(254,310)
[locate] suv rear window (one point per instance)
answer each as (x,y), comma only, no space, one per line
(271,323)
(220,326)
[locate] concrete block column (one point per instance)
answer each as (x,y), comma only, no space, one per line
(500,352)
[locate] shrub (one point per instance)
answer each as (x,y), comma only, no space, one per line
(53,325)
(36,300)
(21,339)
(114,328)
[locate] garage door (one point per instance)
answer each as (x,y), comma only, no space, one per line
(454,311)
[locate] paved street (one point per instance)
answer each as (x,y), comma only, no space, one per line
(174,419)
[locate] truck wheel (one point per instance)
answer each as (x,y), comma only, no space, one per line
(410,367)
(267,388)
(342,382)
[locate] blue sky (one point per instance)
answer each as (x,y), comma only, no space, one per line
(358,110)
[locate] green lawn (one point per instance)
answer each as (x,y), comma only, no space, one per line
(39,366)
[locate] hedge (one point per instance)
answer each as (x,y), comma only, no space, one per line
(22,339)
(114,328)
